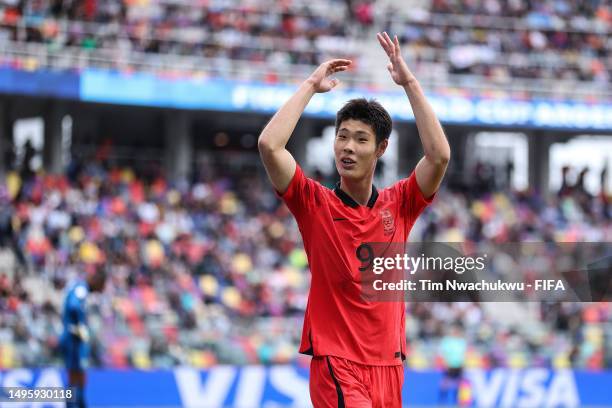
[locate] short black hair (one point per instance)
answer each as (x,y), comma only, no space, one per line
(369,112)
(97,277)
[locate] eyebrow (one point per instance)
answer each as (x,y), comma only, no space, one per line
(363,132)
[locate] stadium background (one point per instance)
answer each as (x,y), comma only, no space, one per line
(128,134)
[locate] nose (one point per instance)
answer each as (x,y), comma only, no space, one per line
(348,147)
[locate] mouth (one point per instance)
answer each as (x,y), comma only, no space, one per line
(348,163)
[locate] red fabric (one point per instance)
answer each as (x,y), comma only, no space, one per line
(338,322)
(356,385)
(90,9)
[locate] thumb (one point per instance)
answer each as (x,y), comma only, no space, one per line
(390,67)
(334,82)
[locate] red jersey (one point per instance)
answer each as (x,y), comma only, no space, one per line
(338,322)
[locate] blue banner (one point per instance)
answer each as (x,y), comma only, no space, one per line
(234,96)
(145,89)
(60,84)
(287,386)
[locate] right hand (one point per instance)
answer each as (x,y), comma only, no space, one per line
(320,78)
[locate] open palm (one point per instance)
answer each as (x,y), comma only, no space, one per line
(400,73)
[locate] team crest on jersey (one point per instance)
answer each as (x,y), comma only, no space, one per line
(387,221)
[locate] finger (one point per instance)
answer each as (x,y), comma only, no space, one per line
(389,46)
(336,66)
(335,70)
(331,65)
(340,62)
(389,42)
(397,45)
(383,43)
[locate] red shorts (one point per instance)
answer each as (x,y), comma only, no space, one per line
(337,382)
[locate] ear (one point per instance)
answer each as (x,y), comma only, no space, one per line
(381,148)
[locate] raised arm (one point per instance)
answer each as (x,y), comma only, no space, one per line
(279,163)
(431,168)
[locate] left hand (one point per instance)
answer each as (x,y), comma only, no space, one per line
(80,330)
(400,73)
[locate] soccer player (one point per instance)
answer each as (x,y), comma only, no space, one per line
(75,337)
(357,346)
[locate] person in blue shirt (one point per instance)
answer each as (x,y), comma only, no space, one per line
(75,337)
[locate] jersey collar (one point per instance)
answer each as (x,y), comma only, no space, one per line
(348,200)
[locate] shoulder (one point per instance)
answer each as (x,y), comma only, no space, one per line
(304,190)
(394,192)
(408,188)
(300,174)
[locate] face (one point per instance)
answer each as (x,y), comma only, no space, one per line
(97,283)
(355,149)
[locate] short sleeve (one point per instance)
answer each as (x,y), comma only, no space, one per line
(413,200)
(300,194)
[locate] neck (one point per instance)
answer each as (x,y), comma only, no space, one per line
(358,190)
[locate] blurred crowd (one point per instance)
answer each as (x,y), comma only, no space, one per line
(481,41)
(260,33)
(504,40)
(491,221)
(213,271)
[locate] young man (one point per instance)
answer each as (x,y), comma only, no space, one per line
(75,337)
(357,346)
